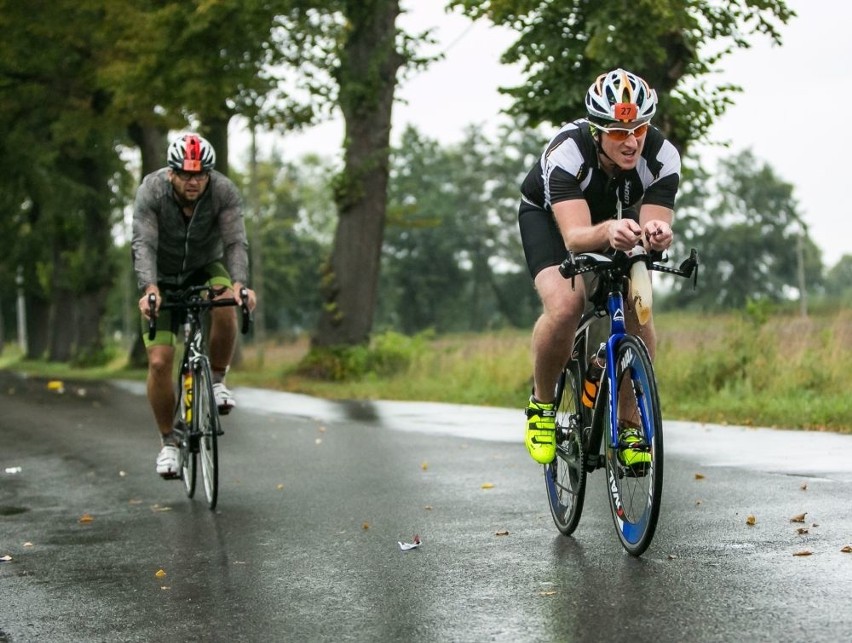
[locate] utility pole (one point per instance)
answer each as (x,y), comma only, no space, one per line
(800,270)
(21,310)
(256,246)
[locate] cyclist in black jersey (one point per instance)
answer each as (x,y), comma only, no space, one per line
(604,182)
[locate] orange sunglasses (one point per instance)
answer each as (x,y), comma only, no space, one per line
(622,133)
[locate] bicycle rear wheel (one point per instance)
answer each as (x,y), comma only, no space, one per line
(565,477)
(206,419)
(635,491)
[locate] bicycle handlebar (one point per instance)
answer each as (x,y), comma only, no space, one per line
(192,299)
(620,262)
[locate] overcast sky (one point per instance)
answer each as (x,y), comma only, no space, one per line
(790,94)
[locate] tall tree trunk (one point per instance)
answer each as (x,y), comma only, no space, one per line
(152,142)
(367,79)
(216,131)
(63,322)
(38,325)
(99,270)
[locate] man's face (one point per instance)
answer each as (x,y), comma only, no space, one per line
(623,143)
(189,186)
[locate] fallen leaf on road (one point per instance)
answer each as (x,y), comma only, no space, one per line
(847,549)
(85,518)
(5,559)
(487,485)
(799,518)
(424,466)
(804,552)
(504,532)
(279,487)
(56,385)
(802,531)
(751,521)
(699,476)
(365,526)
(804,486)
(428,507)
(672,556)
(28,544)
(548,593)
(161,573)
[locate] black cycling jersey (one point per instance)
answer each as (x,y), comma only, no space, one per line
(569,169)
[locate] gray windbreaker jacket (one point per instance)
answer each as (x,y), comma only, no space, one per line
(167,247)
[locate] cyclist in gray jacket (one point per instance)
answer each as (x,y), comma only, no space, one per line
(188,230)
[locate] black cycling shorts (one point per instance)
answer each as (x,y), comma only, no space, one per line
(543,244)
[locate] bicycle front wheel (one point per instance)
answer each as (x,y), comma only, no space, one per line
(565,477)
(206,418)
(634,459)
(183,431)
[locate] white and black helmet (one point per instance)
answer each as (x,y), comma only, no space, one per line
(620,96)
(191,153)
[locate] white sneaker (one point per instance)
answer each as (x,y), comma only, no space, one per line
(223,397)
(167,462)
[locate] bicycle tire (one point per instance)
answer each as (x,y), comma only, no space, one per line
(565,477)
(186,453)
(635,493)
(206,419)
(189,466)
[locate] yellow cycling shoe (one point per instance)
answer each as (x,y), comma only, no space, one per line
(637,461)
(541,431)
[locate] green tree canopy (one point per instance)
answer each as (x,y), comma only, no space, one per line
(673,44)
(746,225)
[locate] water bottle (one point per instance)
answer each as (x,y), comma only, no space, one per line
(591,384)
(187,396)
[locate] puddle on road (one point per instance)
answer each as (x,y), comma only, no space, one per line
(12,511)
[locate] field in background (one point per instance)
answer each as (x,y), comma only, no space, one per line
(752,369)
(755,370)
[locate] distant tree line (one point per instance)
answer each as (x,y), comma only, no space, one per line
(88,111)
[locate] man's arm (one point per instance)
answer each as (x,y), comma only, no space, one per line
(233,231)
(575,222)
(144,239)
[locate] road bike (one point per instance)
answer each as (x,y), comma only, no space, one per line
(196,418)
(591,416)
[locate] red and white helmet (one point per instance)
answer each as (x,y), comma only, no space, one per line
(191,153)
(620,96)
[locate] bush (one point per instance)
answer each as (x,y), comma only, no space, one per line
(388,354)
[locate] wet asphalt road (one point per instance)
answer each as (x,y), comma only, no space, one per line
(315,496)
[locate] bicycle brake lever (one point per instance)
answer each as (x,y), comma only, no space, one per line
(246,313)
(152,315)
(568,269)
